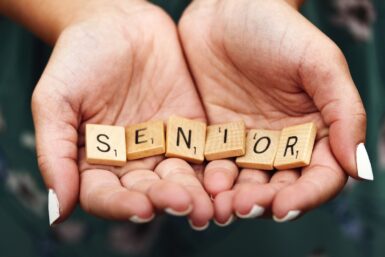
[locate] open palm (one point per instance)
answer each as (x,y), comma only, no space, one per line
(118,67)
(261,61)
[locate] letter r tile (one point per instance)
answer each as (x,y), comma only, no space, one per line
(185,139)
(105,145)
(295,146)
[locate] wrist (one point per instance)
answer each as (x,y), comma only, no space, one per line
(49,18)
(295,3)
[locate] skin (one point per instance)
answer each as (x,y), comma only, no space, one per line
(113,65)
(263,62)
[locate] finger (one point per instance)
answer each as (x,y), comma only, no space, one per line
(178,175)
(199,171)
(219,176)
(56,122)
(327,79)
(248,181)
(148,164)
(168,195)
(254,193)
(139,180)
(320,181)
(101,194)
(224,208)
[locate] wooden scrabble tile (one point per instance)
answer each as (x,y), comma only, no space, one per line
(185,139)
(105,145)
(145,139)
(225,140)
(295,146)
(261,148)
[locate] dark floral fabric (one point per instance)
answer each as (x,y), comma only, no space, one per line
(351,225)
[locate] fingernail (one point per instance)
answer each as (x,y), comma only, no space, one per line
(363,163)
(53,207)
(228,222)
(289,216)
(137,219)
(178,213)
(198,228)
(255,212)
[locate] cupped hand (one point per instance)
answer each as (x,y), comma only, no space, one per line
(263,62)
(118,63)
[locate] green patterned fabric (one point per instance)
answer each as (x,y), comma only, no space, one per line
(351,225)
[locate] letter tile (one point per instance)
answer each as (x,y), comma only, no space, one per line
(261,148)
(185,139)
(225,140)
(105,145)
(145,140)
(295,146)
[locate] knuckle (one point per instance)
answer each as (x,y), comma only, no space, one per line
(36,99)
(43,163)
(323,60)
(361,117)
(359,113)
(334,53)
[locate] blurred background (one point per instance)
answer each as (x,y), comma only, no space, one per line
(351,225)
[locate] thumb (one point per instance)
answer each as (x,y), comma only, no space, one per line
(326,77)
(56,125)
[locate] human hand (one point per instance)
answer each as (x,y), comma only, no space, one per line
(117,63)
(263,62)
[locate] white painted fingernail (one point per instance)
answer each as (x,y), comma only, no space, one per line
(255,212)
(228,222)
(289,216)
(198,228)
(53,207)
(178,213)
(139,220)
(363,163)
